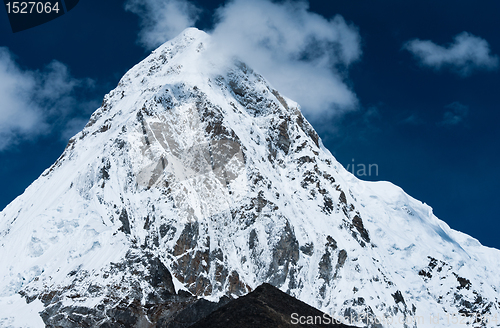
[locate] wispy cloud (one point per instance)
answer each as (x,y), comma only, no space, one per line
(413,119)
(455,114)
(304,55)
(466,54)
(34,103)
(161,20)
(18,115)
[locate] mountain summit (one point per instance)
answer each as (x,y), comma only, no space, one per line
(195,178)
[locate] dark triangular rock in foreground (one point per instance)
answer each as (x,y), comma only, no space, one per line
(265,307)
(191,313)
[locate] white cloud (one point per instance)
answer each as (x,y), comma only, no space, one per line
(455,114)
(304,55)
(466,54)
(161,20)
(18,115)
(33,103)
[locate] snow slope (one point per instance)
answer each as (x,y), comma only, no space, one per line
(200,165)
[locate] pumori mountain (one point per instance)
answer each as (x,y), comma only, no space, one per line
(197,177)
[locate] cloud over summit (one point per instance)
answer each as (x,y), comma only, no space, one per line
(304,55)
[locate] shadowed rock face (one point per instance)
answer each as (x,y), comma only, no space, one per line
(151,296)
(265,307)
(163,307)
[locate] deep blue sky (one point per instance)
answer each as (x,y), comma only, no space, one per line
(398,124)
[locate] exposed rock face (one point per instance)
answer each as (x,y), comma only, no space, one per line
(197,177)
(149,295)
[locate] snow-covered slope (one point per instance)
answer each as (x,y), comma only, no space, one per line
(198,175)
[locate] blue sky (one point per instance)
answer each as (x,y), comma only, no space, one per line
(411,87)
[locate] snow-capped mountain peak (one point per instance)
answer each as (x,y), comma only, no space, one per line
(195,174)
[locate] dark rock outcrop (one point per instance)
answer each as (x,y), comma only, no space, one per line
(265,307)
(193,313)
